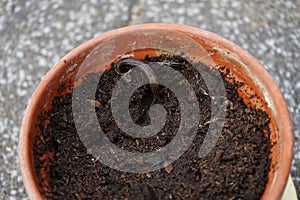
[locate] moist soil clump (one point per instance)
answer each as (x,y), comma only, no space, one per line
(236,168)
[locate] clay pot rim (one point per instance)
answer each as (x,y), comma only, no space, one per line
(245,57)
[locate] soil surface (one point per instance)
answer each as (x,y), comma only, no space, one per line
(236,168)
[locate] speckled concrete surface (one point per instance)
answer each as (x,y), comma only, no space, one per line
(35,34)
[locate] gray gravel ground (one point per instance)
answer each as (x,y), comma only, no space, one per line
(36,33)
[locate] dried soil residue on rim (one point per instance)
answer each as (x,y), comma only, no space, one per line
(236,168)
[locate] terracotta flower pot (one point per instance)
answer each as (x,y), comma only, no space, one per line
(154,39)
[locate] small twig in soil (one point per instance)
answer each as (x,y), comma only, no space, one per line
(213,120)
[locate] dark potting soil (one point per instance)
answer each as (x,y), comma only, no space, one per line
(236,168)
